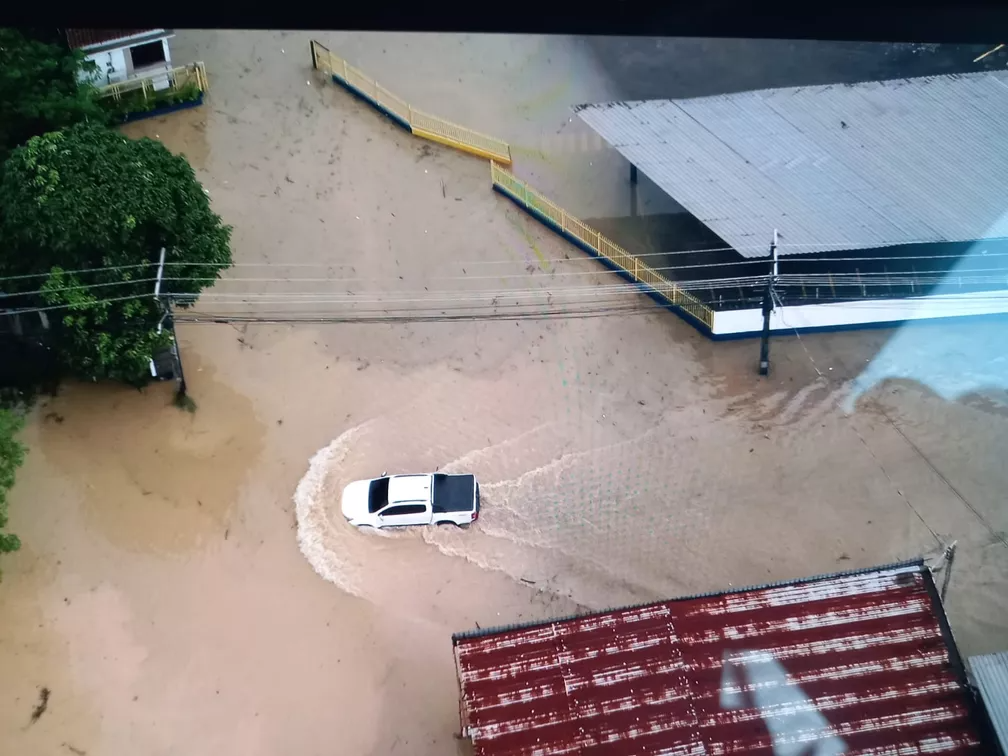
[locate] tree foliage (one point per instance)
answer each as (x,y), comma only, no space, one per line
(11,456)
(39,89)
(86,211)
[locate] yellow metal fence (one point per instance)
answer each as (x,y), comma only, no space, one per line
(178,78)
(418,122)
(605,248)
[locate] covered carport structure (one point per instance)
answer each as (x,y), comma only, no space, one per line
(888,197)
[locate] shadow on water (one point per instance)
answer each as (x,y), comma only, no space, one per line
(960,362)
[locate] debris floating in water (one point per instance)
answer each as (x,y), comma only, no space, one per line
(42,705)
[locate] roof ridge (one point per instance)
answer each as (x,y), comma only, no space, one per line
(480,632)
(998,75)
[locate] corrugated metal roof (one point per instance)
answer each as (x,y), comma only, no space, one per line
(856,663)
(844,166)
(991,675)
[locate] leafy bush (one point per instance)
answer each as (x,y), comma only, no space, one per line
(11,456)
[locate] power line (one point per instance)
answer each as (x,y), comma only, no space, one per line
(559,260)
(360,278)
(502,297)
(415,317)
(479,311)
(862,280)
(900,243)
(745,261)
(366,296)
(79,286)
(841,246)
(586,256)
(355,296)
(887,258)
(26,276)
(77,305)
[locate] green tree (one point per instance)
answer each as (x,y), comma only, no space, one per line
(40,91)
(11,456)
(85,212)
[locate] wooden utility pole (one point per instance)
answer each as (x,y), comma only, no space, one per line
(949,557)
(768,306)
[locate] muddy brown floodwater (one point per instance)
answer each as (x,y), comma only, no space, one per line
(187,585)
(169,480)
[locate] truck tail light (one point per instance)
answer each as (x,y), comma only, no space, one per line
(475,516)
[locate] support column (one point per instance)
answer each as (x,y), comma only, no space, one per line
(633,191)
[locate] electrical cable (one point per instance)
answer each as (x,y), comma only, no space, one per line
(467,263)
(729,263)
(863,280)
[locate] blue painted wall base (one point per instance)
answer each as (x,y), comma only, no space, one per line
(372,102)
(142,115)
(702,327)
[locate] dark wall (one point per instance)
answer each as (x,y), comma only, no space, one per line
(26,368)
(648,68)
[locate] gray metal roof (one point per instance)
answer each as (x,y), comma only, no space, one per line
(843,166)
(990,673)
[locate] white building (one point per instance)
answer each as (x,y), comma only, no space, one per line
(122,54)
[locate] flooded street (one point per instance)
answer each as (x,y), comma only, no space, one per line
(187,583)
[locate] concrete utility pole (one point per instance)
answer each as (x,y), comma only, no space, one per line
(166,317)
(768,305)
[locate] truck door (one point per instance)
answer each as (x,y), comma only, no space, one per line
(404,514)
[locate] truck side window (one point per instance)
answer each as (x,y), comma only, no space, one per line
(404,509)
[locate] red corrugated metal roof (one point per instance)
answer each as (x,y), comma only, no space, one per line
(846,664)
(86,37)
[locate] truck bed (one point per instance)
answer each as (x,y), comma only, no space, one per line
(453,493)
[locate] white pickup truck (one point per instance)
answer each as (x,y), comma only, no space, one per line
(397,500)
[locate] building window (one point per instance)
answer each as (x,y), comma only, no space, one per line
(150,54)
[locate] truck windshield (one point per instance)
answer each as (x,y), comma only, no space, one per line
(378,494)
